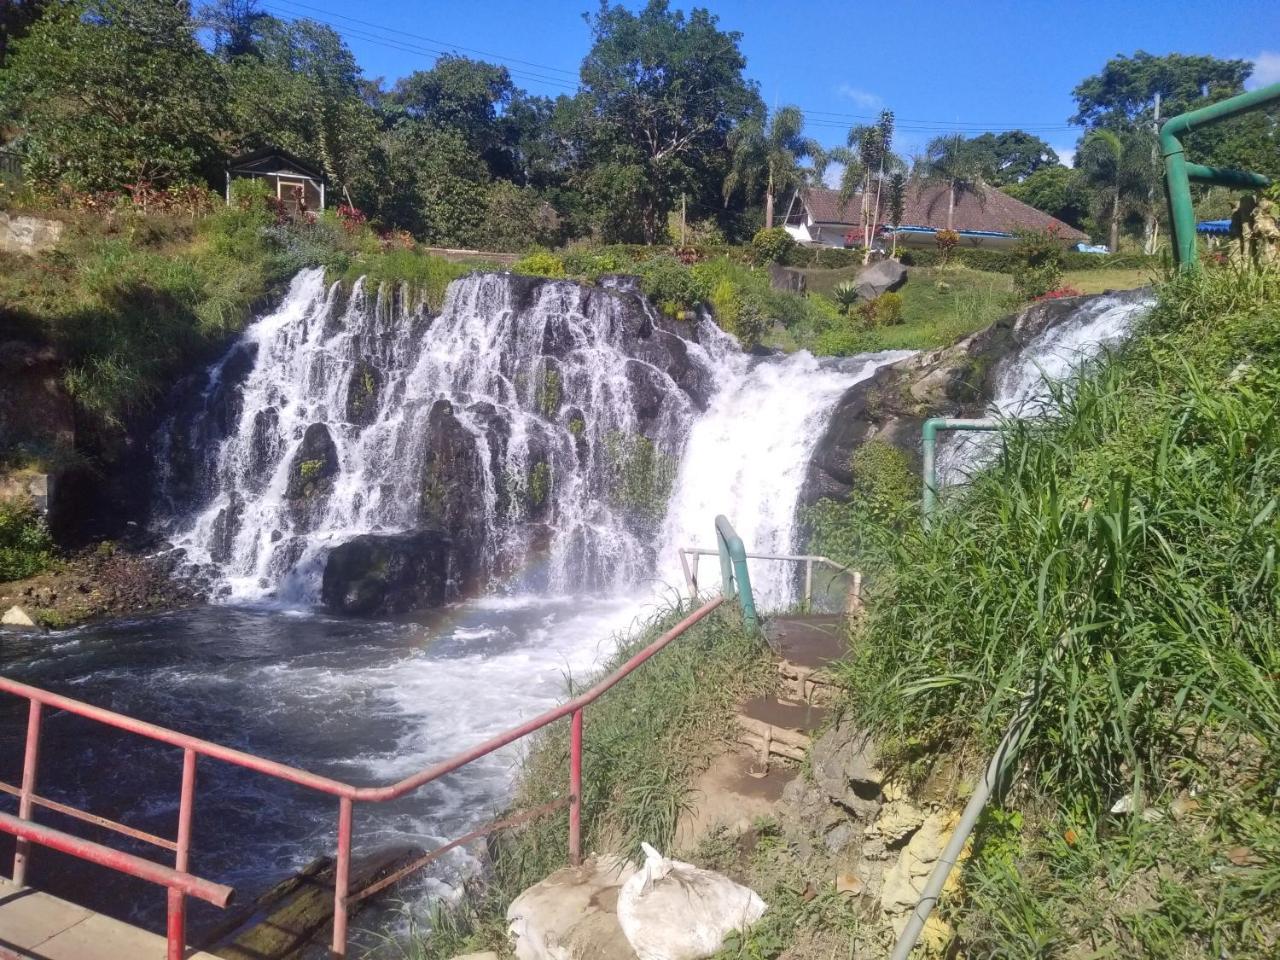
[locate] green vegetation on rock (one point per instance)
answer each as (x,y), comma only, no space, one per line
(641,476)
(25,547)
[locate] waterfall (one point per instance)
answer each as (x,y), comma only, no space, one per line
(1050,355)
(552,437)
(534,422)
(748,455)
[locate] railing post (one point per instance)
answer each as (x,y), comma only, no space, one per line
(342,877)
(575,789)
(182,860)
(30,764)
(808,584)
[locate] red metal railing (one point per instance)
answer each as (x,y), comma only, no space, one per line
(182,884)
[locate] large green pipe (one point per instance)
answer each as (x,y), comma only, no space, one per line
(734,577)
(929,441)
(1178,173)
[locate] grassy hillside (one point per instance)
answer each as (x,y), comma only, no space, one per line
(1119,563)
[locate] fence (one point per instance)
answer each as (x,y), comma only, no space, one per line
(181,883)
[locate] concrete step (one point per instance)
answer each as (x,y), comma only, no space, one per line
(37,926)
(774,727)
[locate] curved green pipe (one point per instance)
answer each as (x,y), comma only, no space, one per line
(929,442)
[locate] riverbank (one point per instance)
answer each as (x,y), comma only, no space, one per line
(97,583)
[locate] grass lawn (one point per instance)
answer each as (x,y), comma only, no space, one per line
(1096,281)
(939,305)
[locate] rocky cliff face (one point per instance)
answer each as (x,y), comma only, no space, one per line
(964,379)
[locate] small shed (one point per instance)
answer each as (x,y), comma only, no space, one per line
(299,185)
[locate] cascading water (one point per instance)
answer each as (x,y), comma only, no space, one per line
(747,458)
(516,420)
(1052,355)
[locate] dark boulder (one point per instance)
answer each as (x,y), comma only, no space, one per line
(786,279)
(452,490)
(382,574)
(362,393)
(887,276)
(314,465)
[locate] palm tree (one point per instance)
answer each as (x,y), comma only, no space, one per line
(772,155)
(950,160)
(867,158)
(1117,166)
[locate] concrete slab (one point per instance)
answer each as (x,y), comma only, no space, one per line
(813,641)
(37,926)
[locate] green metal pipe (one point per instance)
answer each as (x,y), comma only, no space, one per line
(1227,177)
(929,442)
(734,576)
(1178,173)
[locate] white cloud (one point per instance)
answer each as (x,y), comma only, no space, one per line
(861,98)
(1266,70)
(831,176)
(1066,155)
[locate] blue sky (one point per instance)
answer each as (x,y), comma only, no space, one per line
(940,66)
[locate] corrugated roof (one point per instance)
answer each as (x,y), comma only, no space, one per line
(982,210)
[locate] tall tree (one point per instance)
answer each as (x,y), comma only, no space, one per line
(1011,156)
(1058,191)
(866,158)
(235,25)
(896,201)
(115,91)
(771,157)
(299,88)
(662,90)
(16,18)
(1124,93)
(1118,168)
(952,161)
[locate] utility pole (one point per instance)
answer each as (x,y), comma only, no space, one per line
(682,218)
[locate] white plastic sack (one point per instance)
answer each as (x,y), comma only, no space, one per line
(675,911)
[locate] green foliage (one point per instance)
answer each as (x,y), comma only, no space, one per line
(1012,156)
(1039,264)
(767,158)
(1004,261)
(548,398)
(427,277)
(540,263)
(310,469)
(772,246)
(539,483)
(1118,561)
(845,293)
(640,476)
(671,285)
(884,493)
(887,309)
(1056,190)
(112,92)
(25,547)
(516,217)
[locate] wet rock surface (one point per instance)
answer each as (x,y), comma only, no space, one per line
(381,574)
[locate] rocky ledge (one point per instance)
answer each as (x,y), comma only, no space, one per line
(103,581)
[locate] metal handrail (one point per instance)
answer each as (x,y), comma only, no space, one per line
(808,559)
(182,884)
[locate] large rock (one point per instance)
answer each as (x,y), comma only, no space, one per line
(453,484)
(846,766)
(314,465)
(572,914)
(786,279)
(19,619)
(886,276)
(954,381)
(28,235)
(381,574)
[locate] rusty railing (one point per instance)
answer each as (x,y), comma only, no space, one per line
(181,883)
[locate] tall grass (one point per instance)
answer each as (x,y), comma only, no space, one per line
(1121,558)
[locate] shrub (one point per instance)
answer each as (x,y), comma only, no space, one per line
(25,547)
(831,258)
(772,246)
(845,294)
(888,309)
(592,264)
(671,285)
(540,263)
(1038,263)
(946,241)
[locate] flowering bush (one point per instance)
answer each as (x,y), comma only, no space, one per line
(946,241)
(351,218)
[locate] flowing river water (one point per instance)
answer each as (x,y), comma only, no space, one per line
(371,701)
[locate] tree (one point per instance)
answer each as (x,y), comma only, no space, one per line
(896,198)
(111,92)
(236,25)
(867,156)
(16,18)
(299,88)
(1058,191)
(1124,93)
(1118,168)
(1011,156)
(952,161)
(661,91)
(771,155)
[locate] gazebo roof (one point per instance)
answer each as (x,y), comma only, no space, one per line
(257,160)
